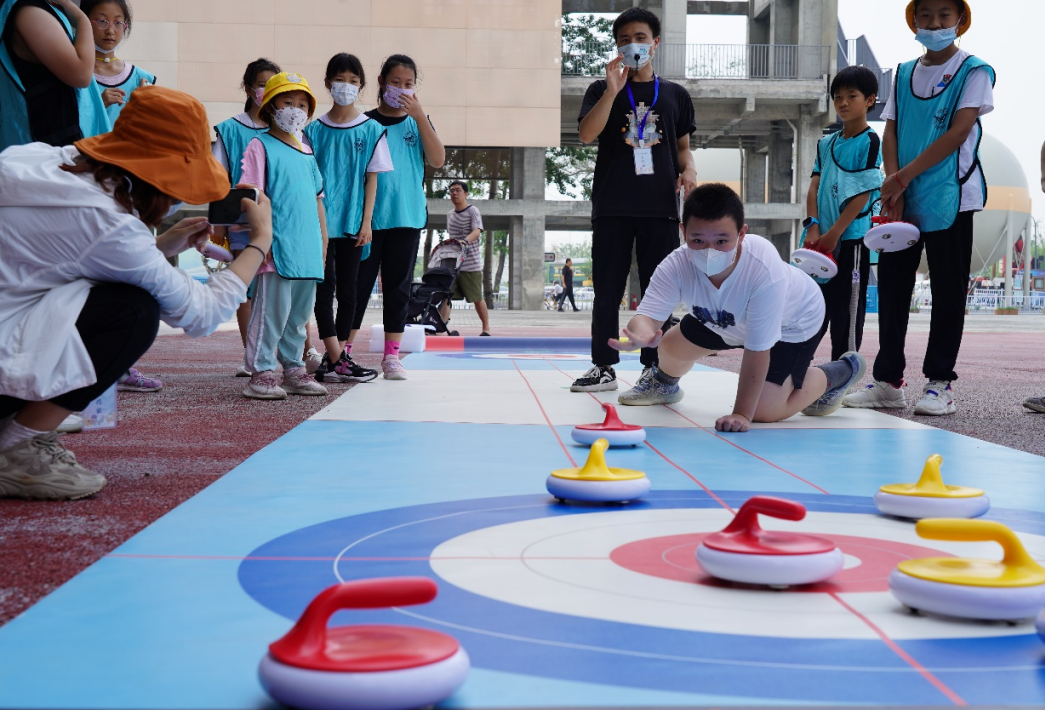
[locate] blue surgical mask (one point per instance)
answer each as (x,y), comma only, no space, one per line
(635,55)
(173,210)
(935,40)
(343,93)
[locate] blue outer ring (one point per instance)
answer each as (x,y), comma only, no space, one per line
(505,637)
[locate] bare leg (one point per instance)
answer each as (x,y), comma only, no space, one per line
(677,355)
(484,315)
(778,402)
(334,348)
(41,416)
(243,312)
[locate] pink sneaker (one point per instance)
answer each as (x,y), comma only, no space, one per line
(299,381)
(264,385)
(135,381)
(393,369)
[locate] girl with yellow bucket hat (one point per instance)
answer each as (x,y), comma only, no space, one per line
(84,283)
(931,157)
(284,292)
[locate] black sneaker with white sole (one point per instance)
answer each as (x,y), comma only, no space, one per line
(348,370)
(597,379)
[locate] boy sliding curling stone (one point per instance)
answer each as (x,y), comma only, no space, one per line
(739,294)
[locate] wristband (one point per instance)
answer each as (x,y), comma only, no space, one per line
(260,251)
(896,176)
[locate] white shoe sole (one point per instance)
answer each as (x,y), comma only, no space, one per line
(600,387)
(50,491)
(132,388)
(875,405)
(924,411)
(305,392)
(251,394)
(670,399)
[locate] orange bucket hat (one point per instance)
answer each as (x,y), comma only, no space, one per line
(163,137)
(963,25)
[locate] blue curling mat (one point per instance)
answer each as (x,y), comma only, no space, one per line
(544,597)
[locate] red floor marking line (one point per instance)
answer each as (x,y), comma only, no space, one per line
(347,559)
(692,478)
(546,418)
(907,658)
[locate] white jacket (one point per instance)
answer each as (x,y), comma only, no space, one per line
(60,234)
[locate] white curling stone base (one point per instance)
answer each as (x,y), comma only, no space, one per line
(381,690)
(918,507)
(966,601)
(632,437)
(598,491)
(774,570)
(892,237)
(1039,625)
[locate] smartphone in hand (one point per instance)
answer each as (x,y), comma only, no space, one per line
(228,211)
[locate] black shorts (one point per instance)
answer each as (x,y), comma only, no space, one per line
(785,359)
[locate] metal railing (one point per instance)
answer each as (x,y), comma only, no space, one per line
(783,62)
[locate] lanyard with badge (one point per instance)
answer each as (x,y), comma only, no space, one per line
(643,154)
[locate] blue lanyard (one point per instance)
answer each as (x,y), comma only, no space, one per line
(656,95)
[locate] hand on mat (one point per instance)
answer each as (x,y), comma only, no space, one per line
(636,341)
(189,233)
(732,422)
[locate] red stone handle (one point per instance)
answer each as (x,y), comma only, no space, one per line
(745,523)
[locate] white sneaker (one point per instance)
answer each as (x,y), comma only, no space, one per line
(879,395)
(298,381)
(71,424)
(312,360)
(937,399)
(42,469)
(393,369)
(264,385)
(243,371)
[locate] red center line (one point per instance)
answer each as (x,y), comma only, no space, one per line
(546,418)
(907,658)
(346,559)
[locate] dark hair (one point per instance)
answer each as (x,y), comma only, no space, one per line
(960,4)
(87,6)
(148,201)
(713,201)
(637,14)
(464,185)
(251,75)
(396,60)
(345,62)
(860,78)
(568,260)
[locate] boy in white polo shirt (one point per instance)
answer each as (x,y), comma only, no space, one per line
(739,294)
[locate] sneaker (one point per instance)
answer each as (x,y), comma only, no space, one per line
(831,400)
(135,381)
(878,395)
(312,360)
(325,371)
(71,424)
(348,370)
(1035,404)
(242,371)
(649,390)
(393,369)
(299,381)
(264,385)
(937,399)
(42,469)
(597,379)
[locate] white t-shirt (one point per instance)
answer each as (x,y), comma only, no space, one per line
(381,161)
(764,301)
(928,81)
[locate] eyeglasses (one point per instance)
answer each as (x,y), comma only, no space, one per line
(104,25)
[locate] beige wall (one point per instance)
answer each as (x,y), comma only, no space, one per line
(489,69)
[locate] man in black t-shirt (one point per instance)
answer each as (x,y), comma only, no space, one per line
(567,286)
(643,124)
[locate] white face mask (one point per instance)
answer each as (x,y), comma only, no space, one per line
(392,94)
(712,261)
(107,51)
(636,55)
(290,120)
(343,93)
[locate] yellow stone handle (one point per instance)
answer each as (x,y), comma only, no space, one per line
(595,466)
(931,481)
(962,530)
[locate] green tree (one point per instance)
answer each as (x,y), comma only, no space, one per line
(586,44)
(571,169)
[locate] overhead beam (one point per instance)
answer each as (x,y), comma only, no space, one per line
(693,7)
(716,7)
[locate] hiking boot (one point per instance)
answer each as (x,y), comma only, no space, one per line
(878,395)
(348,370)
(937,399)
(597,379)
(831,400)
(298,381)
(649,390)
(264,385)
(42,469)
(1035,404)
(135,381)
(393,369)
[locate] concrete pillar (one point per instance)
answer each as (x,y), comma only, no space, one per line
(673,38)
(809,133)
(780,176)
(754,176)
(526,240)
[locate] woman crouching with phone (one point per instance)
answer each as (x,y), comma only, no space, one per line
(84,283)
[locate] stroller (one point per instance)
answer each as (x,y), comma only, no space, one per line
(437,282)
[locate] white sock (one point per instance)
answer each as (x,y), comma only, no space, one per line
(14,434)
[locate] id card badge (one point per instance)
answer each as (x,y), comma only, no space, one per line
(643,161)
(101,413)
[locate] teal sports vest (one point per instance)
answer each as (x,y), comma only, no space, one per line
(343,155)
(235,137)
(846,171)
(14,114)
(131,83)
(933,199)
(293,182)
(401,198)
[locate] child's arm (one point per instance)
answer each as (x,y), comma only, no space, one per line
(641,332)
(1043,167)
(322,226)
(826,244)
(945,145)
(753,370)
(435,154)
(891,207)
(812,210)
(369,195)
